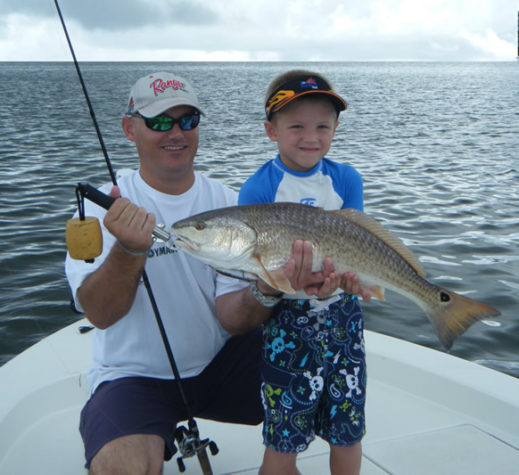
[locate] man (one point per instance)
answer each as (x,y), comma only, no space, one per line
(129,421)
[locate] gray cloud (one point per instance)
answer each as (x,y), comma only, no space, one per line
(266,30)
(117,15)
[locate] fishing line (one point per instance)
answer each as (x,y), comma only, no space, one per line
(188,440)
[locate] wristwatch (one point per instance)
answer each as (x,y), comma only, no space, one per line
(264,300)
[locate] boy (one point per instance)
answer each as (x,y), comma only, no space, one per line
(313,361)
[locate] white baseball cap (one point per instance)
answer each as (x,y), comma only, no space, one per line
(155,93)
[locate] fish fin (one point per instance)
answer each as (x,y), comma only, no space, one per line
(282,283)
(454,314)
(374,227)
(276,279)
(375,291)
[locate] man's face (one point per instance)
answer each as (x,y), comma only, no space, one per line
(164,156)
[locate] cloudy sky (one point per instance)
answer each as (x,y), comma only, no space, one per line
(262,30)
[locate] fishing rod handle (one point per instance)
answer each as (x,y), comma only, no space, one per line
(105,201)
(94,195)
(205,465)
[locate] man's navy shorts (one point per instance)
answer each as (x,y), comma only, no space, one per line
(228,390)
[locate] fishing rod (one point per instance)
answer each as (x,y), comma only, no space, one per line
(188,440)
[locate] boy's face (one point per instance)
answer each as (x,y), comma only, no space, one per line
(304,131)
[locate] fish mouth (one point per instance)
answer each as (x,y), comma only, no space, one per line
(187,244)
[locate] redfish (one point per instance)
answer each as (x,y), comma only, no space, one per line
(258,239)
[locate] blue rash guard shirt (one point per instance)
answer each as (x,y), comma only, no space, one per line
(329,185)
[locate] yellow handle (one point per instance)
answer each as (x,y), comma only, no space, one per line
(84,238)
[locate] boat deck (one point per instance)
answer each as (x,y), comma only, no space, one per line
(427,413)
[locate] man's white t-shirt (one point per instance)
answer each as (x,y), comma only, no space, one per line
(184,289)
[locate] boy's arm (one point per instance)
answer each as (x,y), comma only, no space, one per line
(353,193)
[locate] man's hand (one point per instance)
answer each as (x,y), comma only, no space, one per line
(130,224)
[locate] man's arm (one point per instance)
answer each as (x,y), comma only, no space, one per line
(107,294)
(239,311)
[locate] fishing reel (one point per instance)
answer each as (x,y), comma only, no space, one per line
(189,445)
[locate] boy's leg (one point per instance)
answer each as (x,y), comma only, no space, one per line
(278,463)
(345,460)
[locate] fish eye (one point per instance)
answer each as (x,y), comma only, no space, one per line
(200,226)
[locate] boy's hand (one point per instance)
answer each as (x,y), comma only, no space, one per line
(322,283)
(329,280)
(298,271)
(350,285)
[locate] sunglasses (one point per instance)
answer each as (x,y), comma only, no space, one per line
(163,123)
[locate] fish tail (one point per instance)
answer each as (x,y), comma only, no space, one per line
(454,314)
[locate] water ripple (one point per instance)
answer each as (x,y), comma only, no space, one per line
(440,169)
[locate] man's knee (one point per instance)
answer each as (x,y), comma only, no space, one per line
(132,454)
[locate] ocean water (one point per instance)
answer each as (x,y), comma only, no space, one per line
(437,145)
